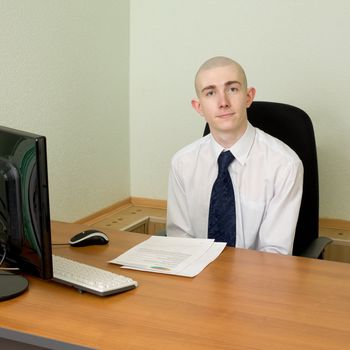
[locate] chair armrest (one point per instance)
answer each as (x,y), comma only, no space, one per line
(316,248)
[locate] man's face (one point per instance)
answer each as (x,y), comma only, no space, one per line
(223,99)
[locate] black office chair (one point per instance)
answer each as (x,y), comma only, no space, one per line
(294,127)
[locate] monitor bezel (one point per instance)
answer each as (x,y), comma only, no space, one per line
(44,267)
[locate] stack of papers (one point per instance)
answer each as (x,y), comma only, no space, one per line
(171,255)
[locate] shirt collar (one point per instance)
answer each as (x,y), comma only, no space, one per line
(241,148)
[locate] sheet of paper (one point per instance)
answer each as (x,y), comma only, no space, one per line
(195,267)
(170,255)
(210,255)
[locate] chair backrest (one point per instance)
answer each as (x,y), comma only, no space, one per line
(294,127)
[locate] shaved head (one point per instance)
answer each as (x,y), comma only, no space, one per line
(219,61)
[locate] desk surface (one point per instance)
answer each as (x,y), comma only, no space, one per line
(243,300)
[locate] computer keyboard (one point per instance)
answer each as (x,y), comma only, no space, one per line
(89,278)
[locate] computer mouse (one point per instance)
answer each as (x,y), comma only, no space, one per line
(88,237)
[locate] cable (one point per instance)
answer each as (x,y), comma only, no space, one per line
(4,254)
(2,260)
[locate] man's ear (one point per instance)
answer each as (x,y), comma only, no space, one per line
(196,106)
(250,96)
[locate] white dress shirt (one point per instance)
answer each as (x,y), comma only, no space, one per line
(267,177)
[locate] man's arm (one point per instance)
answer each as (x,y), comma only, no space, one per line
(178,221)
(277,230)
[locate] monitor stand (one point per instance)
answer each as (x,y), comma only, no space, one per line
(11,285)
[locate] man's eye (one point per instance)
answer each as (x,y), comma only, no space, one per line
(233,89)
(210,93)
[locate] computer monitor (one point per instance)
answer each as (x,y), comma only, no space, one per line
(25,231)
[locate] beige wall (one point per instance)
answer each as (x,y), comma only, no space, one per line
(64,68)
(294,51)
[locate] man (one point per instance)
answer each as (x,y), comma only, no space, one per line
(263,177)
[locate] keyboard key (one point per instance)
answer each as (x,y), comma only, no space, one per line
(89,278)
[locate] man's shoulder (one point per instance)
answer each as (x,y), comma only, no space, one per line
(275,145)
(191,149)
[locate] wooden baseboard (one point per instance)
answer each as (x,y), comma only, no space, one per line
(105,212)
(125,203)
(338,224)
(325,223)
(147,202)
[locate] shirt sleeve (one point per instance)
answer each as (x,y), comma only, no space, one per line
(277,230)
(178,221)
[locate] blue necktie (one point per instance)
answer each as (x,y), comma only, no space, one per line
(222,210)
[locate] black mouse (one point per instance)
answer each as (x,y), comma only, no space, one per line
(88,237)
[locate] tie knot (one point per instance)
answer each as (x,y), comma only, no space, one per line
(224,160)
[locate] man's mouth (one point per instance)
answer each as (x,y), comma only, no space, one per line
(226,115)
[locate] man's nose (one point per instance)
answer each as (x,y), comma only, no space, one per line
(224,102)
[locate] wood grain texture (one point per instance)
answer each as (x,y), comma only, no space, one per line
(243,300)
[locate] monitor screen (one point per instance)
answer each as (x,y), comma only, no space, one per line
(25,232)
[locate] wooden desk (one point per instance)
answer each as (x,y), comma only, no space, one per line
(243,300)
